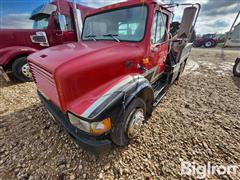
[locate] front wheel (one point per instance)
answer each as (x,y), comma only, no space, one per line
(209,44)
(129,124)
(21,71)
(236,68)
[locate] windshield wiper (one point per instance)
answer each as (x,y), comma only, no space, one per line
(112,36)
(91,36)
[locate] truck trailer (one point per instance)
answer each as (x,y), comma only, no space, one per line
(54,23)
(105,87)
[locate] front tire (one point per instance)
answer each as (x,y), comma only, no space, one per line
(20,70)
(236,68)
(128,125)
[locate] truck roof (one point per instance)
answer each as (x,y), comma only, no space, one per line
(125,4)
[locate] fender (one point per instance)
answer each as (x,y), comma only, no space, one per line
(115,99)
(8,54)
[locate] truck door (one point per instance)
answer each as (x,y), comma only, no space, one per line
(159,45)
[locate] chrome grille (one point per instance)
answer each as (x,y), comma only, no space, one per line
(37,71)
(45,82)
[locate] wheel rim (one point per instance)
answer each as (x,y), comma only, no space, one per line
(238,68)
(26,71)
(135,120)
(208,44)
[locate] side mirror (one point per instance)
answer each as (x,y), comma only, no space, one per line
(187,22)
(62,22)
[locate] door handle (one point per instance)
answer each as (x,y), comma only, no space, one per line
(154,49)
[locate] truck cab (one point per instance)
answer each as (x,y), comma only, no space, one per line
(103,88)
(53,24)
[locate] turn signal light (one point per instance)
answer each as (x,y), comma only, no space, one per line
(101,127)
(91,127)
(145,61)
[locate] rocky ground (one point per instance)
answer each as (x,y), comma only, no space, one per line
(197,121)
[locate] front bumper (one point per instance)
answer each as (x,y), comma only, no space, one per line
(89,143)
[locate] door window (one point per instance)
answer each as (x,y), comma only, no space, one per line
(158,34)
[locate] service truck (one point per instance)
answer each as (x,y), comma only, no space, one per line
(103,88)
(54,23)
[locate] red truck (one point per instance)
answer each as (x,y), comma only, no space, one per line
(55,23)
(207,40)
(103,88)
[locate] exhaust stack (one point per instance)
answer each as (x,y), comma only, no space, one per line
(78,20)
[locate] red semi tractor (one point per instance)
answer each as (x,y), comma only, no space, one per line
(54,23)
(103,88)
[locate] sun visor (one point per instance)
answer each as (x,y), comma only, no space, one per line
(43,10)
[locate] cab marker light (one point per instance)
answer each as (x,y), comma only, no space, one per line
(145,61)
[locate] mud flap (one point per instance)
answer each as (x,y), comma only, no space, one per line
(173,72)
(4,74)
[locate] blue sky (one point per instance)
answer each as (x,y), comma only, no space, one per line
(15,13)
(26,6)
(216,15)
(19,6)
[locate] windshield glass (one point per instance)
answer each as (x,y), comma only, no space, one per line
(40,23)
(126,24)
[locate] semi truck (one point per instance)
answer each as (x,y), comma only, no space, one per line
(54,23)
(102,89)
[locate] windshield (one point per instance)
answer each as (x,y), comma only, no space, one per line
(40,23)
(126,24)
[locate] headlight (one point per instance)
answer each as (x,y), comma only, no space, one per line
(93,128)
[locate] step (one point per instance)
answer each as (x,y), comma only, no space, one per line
(159,98)
(159,92)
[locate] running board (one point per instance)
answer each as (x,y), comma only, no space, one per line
(159,93)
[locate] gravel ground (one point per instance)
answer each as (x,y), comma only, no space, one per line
(198,120)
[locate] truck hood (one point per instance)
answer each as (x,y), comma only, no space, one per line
(68,72)
(52,58)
